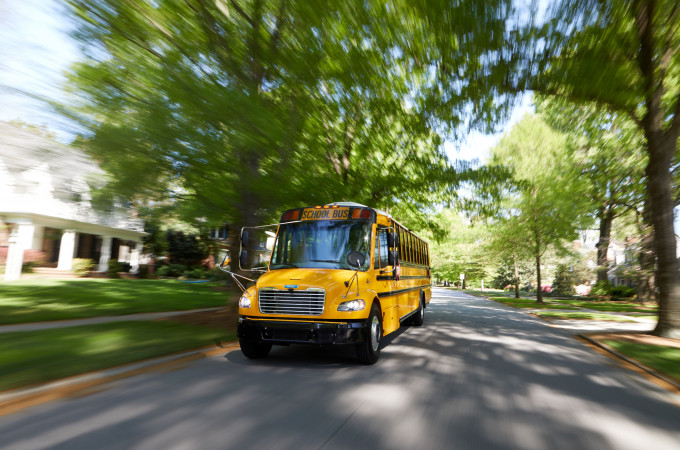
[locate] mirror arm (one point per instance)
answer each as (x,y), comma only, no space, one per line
(234,275)
(349,284)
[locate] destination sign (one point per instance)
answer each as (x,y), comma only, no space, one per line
(325,214)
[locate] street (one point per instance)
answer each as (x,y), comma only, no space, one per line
(477,375)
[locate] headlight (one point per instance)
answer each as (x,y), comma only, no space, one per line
(353,305)
(244,301)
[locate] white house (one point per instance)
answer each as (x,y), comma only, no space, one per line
(45,207)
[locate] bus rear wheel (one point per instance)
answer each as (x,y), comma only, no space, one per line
(419,317)
(254,350)
(368,351)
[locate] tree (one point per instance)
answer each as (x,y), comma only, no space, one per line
(608,151)
(458,249)
(623,56)
(506,243)
(236,110)
(546,205)
(563,283)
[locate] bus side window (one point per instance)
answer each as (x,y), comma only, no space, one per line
(376,252)
(381,249)
(409,243)
(384,249)
(402,250)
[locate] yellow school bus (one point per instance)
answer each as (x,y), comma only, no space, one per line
(341,273)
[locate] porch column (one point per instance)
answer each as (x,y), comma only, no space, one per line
(66,250)
(20,239)
(134,257)
(105,255)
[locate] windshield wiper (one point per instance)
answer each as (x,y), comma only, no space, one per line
(325,260)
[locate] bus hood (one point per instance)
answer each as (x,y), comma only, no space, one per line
(331,280)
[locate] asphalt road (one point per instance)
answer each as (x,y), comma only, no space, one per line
(478,375)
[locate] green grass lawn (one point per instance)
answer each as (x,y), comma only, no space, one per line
(46,300)
(517,302)
(664,359)
(582,315)
(610,306)
(28,358)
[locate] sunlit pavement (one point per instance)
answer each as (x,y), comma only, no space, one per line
(478,375)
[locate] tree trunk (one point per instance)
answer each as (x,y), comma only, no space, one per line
(539,291)
(668,273)
(514,261)
(646,290)
(661,146)
(606,216)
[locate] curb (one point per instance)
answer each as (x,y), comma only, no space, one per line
(629,360)
(80,385)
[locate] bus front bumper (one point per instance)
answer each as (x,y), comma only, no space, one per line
(285,332)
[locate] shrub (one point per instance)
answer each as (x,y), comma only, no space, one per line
(622,292)
(143,271)
(82,266)
(195,272)
(27,267)
(218,275)
(114,268)
(601,289)
(172,270)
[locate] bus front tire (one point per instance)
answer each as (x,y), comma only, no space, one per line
(368,351)
(255,350)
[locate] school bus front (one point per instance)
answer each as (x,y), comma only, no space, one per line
(322,286)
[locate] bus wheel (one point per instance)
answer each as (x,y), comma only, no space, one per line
(255,350)
(419,317)
(369,350)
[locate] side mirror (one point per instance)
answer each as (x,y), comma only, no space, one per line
(356,259)
(243,258)
(226,261)
(391,239)
(392,258)
(244,238)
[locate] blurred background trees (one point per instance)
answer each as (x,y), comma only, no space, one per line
(233,110)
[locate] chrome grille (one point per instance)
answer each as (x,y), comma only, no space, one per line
(309,302)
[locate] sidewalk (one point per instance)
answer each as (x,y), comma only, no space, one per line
(97,320)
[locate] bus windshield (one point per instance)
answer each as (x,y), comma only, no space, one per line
(322,244)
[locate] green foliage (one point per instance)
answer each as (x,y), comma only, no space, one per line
(542,201)
(187,249)
(621,57)
(196,272)
(155,242)
(563,283)
(234,116)
(622,292)
(601,289)
(506,274)
(459,251)
(171,270)
(115,268)
(81,266)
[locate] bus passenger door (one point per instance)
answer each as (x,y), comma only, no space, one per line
(384,277)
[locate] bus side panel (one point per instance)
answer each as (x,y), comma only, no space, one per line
(390,320)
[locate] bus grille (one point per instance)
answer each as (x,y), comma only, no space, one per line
(303,303)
